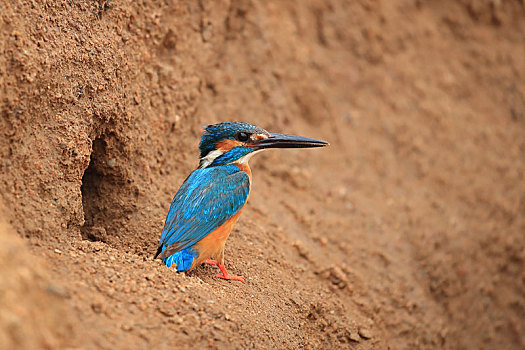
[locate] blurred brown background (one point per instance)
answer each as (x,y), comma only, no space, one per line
(407,232)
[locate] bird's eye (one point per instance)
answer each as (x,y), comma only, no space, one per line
(243,136)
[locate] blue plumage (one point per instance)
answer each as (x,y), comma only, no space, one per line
(234,154)
(224,131)
(207,198)
(182,259)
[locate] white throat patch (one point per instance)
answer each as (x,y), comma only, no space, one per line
(209,158)
(246,158)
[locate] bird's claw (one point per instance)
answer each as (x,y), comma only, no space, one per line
(225,275)
(230,277)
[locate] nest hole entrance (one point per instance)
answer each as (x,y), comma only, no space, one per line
(94,185)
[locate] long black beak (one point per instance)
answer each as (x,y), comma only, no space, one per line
(288,141)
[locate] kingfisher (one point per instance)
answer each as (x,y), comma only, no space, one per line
(211,199)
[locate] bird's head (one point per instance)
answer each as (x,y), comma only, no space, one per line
(236,142)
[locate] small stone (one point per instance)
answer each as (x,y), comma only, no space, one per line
(96,233)
(302,250)
(354,337)
(58,251)
(166,311)
(192,320)
(206,34)
(365,333)
(126,327)
(57,290)
(217,336)
(176,319)
(336,276)
(97,307)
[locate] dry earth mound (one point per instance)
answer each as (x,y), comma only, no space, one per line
(407,232)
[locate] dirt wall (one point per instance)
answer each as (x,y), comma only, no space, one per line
(407,232)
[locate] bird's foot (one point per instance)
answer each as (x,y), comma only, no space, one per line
(230,277)
(211,262)
(226,276)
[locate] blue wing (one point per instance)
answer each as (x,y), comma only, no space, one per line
(207,198)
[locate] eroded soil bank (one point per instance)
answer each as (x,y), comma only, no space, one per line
(407,232)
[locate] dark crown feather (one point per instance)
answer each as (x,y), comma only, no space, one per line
(223,131)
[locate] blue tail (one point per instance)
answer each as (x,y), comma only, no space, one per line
(182,259)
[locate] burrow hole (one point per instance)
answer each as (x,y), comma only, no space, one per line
(102,188)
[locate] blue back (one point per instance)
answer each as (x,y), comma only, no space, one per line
(207,198)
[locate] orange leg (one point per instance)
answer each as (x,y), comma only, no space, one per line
(226,276)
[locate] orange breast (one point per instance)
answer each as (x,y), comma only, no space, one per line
(212,246)
(245,168)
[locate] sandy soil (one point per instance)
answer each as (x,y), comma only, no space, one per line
(407,232)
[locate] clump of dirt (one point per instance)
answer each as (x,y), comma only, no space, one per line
(34,309)
(407,232)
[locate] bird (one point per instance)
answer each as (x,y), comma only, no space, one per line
(211,199)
